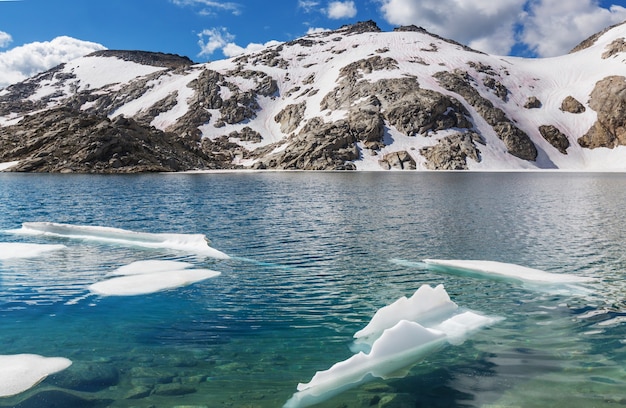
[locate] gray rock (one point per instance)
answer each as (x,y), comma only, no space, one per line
(555,137)
(532,103)
(88,377)
(572,105)
(608,99)
(173,389)
(398,160)
(290,117)
(451,153)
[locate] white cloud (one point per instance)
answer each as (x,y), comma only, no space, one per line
(233,50)
(553,27)
(546,27)
(315,30)
(210,7)
(485,24)
(24,61)
(308,5)
(341,9)
(5,39)
(211,40)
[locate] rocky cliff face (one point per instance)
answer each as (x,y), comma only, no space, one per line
(351,99)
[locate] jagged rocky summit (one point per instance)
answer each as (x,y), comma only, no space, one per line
(351,99)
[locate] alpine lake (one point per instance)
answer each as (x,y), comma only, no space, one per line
(313,255)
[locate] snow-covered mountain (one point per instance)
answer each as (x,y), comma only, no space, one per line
(353,98)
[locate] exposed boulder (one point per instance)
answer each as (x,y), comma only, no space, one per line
(246,134)
(398,160)
(572,105)
(532,103)
(290,117)
(451,152)
(555,137)
(608,99)
(616,47)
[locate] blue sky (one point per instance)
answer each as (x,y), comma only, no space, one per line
(209,29)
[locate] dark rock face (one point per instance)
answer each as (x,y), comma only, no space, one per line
(516,141)
(608,99)
(555,137)
(64,140)
(157,59)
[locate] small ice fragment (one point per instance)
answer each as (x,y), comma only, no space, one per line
(505,271)
(21,372)
(147,283)
(193,243)
(10,250)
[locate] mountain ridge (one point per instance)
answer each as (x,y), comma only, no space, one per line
(355,98)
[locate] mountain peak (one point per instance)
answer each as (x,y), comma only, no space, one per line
(155,59)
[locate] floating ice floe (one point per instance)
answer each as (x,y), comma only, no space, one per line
(426,304)
(145,277)
(10,250)
(502,271)
(21,372)
(397,343)
(193,243)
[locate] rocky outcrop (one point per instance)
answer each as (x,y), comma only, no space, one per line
(319,146)
(616,47)
(398,160)
(608,99)
(290,117)
(572,105)
(65,140)
(246,134)
(555,137)
(452,152)
(517,142)
(157,59)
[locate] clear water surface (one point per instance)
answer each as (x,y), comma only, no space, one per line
(312,262)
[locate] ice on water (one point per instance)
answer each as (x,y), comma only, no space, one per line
(504,271)
(20,372)
(10,250)
(145,277)
(192,243)
(401,334)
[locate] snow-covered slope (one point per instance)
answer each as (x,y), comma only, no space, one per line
(356,98)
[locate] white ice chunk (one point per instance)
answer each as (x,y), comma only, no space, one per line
(150,266)
(146,283)
(503,271)
(397,348)
(459,326)
(21,372)
(425,304)
(9,250)
(194,243)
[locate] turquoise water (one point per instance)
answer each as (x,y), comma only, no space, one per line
(314,256)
